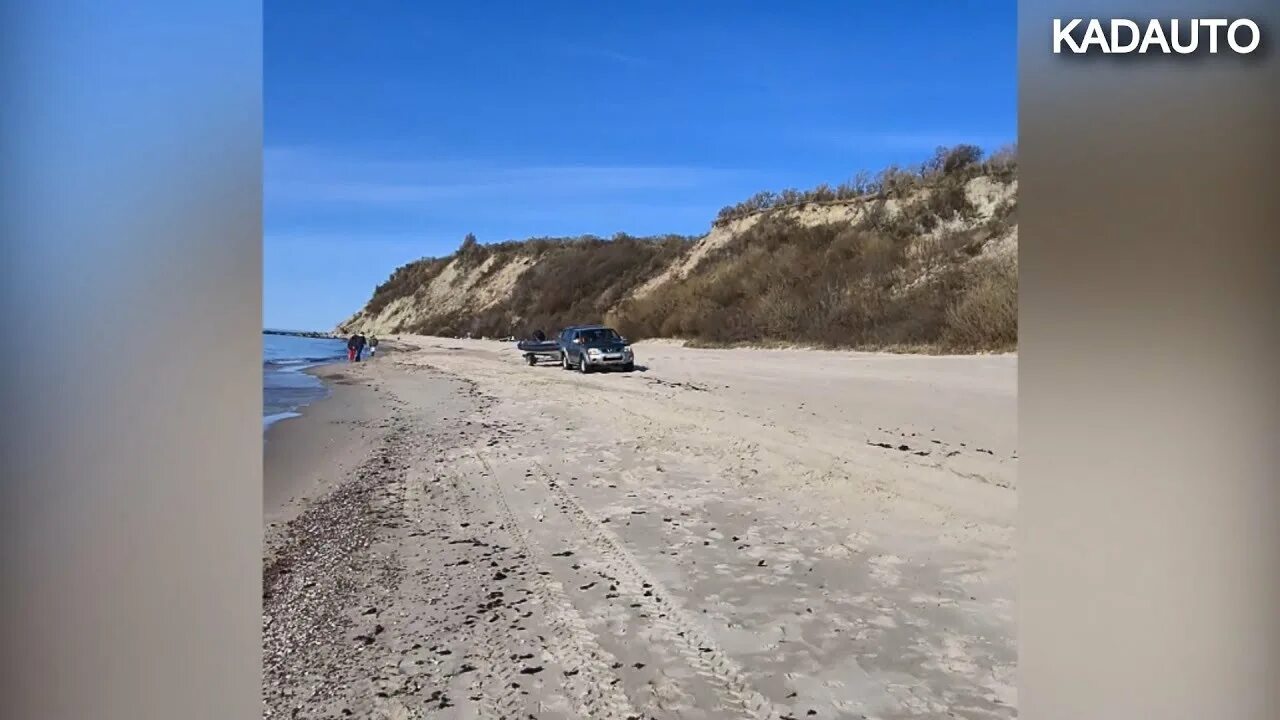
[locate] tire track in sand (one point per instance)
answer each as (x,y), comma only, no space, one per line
(500,698)
(593,684)
(683,633)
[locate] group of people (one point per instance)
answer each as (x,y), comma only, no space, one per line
(356,346)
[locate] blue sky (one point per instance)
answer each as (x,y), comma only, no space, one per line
(395,128)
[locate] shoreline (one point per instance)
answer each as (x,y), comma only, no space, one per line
(270,421)
(309,452)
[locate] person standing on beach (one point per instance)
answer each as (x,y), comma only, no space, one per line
(373,346)
(352,352)
(360,343)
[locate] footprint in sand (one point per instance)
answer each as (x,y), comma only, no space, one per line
(884,568)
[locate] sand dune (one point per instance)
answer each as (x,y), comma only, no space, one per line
(723,534)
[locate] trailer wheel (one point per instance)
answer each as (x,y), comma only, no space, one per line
(531,358)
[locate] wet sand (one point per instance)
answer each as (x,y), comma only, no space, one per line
(305,456)
(725,534)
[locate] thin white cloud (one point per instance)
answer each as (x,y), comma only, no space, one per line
(299,175)
(923,141)
(340,238)
(607,54)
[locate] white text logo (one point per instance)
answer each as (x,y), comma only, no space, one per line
(1120,36)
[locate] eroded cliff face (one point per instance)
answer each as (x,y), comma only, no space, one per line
(933,266)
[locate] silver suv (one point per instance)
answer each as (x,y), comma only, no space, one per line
(591,347)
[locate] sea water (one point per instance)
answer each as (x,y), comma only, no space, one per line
(285,388)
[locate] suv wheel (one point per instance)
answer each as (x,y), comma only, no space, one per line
(582,364)
(564,361)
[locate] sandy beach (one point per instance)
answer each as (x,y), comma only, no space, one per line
(721,534)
